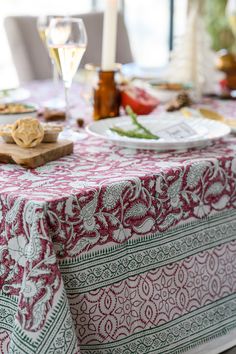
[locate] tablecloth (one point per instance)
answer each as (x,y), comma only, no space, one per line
(117,251)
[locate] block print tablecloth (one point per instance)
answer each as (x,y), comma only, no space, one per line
(118,251)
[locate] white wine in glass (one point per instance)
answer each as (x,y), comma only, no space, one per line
(67,42)
(67,59)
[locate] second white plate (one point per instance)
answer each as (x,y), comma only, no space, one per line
(14,95)
(175,132)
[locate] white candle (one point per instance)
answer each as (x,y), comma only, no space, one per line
(109,35)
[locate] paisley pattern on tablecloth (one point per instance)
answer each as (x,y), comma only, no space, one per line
(113,250)
(97,199)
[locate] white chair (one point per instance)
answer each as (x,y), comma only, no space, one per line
(31,58)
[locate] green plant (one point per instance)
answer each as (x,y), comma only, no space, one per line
(217,25)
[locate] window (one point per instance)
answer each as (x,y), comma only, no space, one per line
(180,15)
(148,23)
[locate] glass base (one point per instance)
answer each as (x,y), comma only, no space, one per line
(55,103)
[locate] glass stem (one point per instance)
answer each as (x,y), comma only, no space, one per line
(66,89)
(55,75)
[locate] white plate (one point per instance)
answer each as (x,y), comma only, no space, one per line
(14,95)
(196,132)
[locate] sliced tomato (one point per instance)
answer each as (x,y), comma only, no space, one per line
(139,100)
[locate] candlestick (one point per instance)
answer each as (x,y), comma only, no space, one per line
(109,35)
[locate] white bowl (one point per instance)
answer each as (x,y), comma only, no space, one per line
(10,118)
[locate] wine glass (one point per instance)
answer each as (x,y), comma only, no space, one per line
(67,42)
(43,26)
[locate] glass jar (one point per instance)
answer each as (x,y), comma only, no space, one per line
(106,102)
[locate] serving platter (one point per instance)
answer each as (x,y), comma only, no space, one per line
(37,156)
(174,131)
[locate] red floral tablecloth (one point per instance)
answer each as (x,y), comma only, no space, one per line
(116,251)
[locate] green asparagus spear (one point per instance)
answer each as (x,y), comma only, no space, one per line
(132,133)
(134,118)
(140,132)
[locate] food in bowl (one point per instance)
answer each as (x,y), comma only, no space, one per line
(11,112)
(166,91)
(16,108)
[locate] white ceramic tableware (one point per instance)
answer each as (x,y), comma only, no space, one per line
(175,132)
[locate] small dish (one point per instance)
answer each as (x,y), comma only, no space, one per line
(11,112)
(167,91)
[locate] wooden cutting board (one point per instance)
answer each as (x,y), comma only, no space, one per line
(34,157)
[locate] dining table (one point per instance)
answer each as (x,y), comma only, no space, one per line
(115,250)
